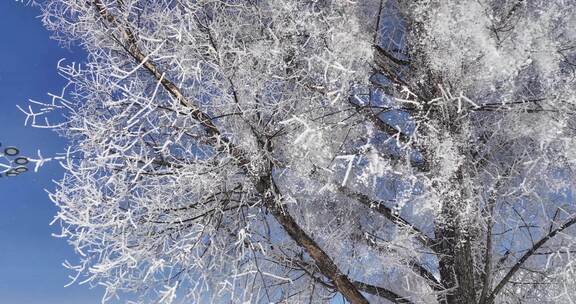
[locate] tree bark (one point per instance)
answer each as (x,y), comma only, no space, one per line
(455,257)
(321,258)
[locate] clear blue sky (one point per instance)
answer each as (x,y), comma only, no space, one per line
(30,259)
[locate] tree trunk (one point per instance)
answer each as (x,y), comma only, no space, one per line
(456,261)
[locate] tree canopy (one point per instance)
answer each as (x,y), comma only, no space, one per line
(310,151)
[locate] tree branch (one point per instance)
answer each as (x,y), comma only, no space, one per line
(526,256)
(389,214)
(401,137)
(413,264)
(487,275)
(368,288)
(262,183)
(381,292)
(128,42)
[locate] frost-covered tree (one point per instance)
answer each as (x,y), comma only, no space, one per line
(312,151)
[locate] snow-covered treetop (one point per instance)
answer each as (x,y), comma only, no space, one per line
(293,150)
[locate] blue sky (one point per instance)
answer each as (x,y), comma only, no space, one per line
(30,258)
